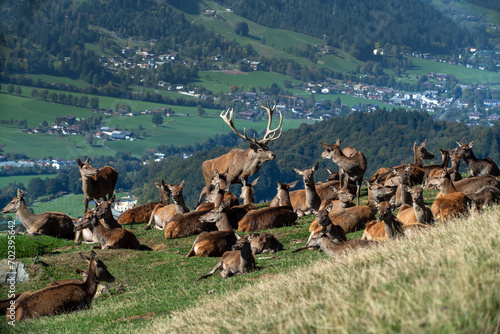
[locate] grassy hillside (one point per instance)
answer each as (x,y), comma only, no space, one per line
(428,283)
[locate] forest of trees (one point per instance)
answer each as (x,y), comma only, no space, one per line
(385,138)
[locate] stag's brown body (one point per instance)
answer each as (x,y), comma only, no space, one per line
(97,183)
(241,164)
(55,224)
(58,299)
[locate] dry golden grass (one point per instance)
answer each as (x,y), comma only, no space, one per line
(445,280)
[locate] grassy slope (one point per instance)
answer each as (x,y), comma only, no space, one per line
(6,180)
(399,286)
(178,130)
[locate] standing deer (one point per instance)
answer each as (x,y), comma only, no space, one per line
(57,299)
(240,260)
(477,166)
(161,215)
(354,165)
(55,224)
(96,183)
(241,164)
(142,213)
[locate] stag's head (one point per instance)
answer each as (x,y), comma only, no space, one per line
(15,204)
(259,147)
(86,170)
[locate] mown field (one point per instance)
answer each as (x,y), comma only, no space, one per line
(442,280)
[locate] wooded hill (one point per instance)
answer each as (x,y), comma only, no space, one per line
(385,138)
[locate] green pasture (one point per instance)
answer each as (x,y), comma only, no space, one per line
(217,81)
(57,79)
(465,75)
(25,179)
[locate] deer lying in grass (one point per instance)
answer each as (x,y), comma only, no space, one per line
(239,260)
(402,196)
(469,185)
(418,213)
(354,218)
(379,192)
(307,201)
(453,202)
(96,183)
(453,170)
(354,165)
(161,215)
(485,196)
(264,243)
(57,299)
(283,194)
(477,166)
(103,275)
(344,202)
(142,213)
(104,213)
(107,238)
(445,155)
(55,224)
(220,192)
(420,154)
(214,243)
(331,238)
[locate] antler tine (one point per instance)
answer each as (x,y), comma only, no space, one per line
(271,134)
(230,121)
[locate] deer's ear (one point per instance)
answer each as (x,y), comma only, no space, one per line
(80,163)
(471,144)
(293,184)
(298,171)
(254,182)
(315,168)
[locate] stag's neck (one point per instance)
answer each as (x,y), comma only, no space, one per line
(25,216)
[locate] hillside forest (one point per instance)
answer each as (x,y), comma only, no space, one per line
(385,138)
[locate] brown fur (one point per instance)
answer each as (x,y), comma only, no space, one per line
(312,199)
(418,213)
(238,261)
(107,238)
(162,215)
(354,165)
(63,298)
(55,224)
(354,218)
(264,243)
(212,244)
(241,164)
(266,218)
(477,166)
(142,213)
(97,183)
(187,224)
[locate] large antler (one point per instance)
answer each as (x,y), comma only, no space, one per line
(270,135)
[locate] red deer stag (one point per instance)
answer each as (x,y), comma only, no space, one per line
(97,183)
(55,224)
(477,166)
(354,165)
(161,215)
(58,299)
(240,260)
(241,163)
(420,154)
(142,213)
(107,238)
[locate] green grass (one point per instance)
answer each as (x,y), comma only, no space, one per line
(6,180)
(429,282)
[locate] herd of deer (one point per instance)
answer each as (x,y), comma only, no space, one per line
(216,219)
